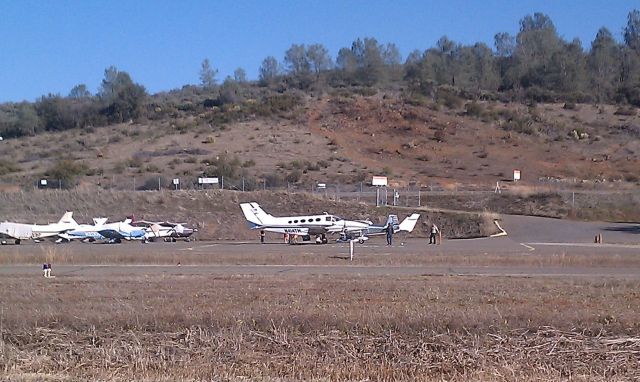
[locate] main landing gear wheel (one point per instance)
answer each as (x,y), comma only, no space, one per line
(17,241)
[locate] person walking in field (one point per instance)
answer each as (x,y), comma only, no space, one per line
(389,234)
(432,235)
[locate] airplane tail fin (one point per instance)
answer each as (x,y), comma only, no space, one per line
(67,218)
(409,223)
(255,215)
(393,221)
(99,221)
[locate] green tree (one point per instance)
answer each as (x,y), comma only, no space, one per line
(318,57)
(123,99)
(346,60)
(268,70)
(632,30)
(26,122)
(295,58)
(79,92)
(207,74)
(603,65)
(537,42)
(240,75)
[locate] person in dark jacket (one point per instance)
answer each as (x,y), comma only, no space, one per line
(389,234)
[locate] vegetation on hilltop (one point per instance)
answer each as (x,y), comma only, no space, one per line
(536,64)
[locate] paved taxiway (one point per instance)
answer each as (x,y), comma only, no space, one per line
(528,237)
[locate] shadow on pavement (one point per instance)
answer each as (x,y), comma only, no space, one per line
(635,228)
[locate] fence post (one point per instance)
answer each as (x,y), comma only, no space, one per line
(418,196)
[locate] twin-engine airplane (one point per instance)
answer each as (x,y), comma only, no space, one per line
(322,225)
(21,231)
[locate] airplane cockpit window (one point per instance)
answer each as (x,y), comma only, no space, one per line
(328,218)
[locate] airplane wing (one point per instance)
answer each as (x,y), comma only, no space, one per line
(111,234)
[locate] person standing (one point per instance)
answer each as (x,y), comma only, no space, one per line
(262,234)
(45,266)
(432,235)
(389,234)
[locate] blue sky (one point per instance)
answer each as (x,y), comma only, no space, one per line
(49,46)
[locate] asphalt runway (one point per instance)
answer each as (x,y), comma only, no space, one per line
(526,236)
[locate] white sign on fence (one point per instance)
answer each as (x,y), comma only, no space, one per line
(516,175)
(207,180)
(43,182)
(379,181)
(176,181)
(321,186)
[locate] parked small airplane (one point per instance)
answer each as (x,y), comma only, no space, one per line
(407,225)
(320,225)
(21,231)
(164,230)
(85,232)
(101,230)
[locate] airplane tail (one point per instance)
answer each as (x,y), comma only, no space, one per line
(409,223)
(255,215)
(67,218)
(99,221)
(393,221)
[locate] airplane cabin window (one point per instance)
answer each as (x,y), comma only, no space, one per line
(289,221)
(302,221)
(295,221)
(317,219)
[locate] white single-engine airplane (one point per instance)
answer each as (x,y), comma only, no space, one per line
(164,230)
(321,225)
(21,231)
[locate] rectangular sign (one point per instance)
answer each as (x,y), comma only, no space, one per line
(379,181)
(322,185)
(516,175)
(176,181)
(207,180)
(43,182)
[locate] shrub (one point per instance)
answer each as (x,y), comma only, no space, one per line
(66,171)
(7,167)
(474,109)
(626,110)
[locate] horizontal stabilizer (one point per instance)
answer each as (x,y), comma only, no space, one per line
(409,223)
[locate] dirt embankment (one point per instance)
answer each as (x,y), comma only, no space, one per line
(217,213)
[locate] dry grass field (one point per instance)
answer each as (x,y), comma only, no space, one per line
(158,326)
(283,328)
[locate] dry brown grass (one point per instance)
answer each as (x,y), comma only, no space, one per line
(414,254)
(319,328)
